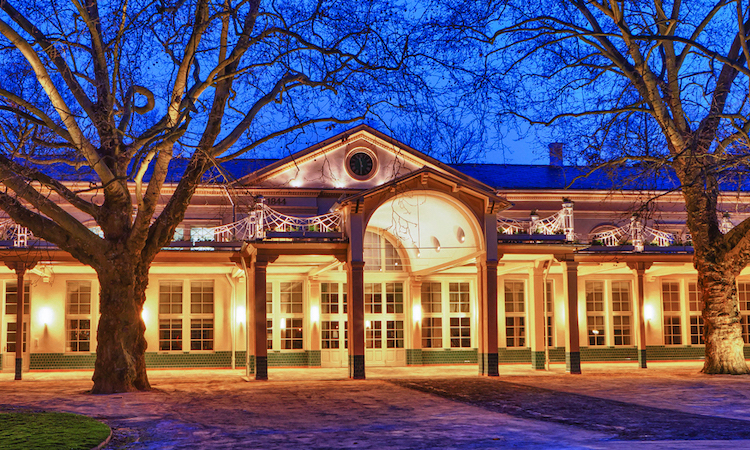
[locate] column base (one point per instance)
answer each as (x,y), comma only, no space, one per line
(19,368)
(642,358)
(573,362)
(538,361)
(357,367)
(488,364)
(261,368)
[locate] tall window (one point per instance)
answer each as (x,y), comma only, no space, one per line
(394,298)
(394,337)
(329,334)
(432,321)
(670,296)
(380,254)
(373,298)
(373,334)
(170,315)
(459,304)
(743,294)
(329,298)
(291,334)
(695,306)
(595,312)
(549,297)
(332,305)
(11,294)
(78,316)
(291,304)
(202,315)
(515,325)
(622,313)
(432,332)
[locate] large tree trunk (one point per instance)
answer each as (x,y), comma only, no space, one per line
(721,318)
(120,354)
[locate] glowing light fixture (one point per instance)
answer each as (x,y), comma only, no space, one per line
(648,312)
(144,315)
(295,183)
(283,323)
(416,312)
(46,316)
(314,313)
(241,314)
(367,324)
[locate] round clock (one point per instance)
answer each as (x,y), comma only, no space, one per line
(361,165)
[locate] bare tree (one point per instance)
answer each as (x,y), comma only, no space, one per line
(663,83)
(112,91)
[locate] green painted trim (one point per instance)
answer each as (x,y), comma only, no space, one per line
(449,356)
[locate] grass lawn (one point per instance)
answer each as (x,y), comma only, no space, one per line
(50,430)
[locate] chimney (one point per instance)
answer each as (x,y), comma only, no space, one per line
(556,154)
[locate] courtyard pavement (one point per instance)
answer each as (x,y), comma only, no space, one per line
(668,405)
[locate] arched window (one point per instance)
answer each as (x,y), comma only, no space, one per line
(380,254)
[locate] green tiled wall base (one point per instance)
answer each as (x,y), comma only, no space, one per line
(222,359)
(538,360)
(661,353)
(307,358)
(557,354)
(61,361)
(513,355)
(449,356)
(413,357)
(609,354)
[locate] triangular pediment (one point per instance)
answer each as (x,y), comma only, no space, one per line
(358,159)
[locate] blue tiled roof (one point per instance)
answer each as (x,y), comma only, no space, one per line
(512,176)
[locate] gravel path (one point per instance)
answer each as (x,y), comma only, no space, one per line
(612,407)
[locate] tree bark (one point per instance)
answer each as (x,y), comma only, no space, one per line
(721,318)
(121,350)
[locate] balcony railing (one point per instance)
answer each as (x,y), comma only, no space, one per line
(559,223)
(265,222)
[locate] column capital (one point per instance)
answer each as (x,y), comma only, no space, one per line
(640,266)
(356,265)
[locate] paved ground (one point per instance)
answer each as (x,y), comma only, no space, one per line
(609,406)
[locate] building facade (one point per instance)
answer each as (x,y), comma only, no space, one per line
(362,252)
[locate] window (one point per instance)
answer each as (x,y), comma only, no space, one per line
(672,331)
(291,297)
(170,315)
(201,315)
(329,334)
(696,330)
(201,334)
(595,312)
(373,298)
(269,298)
(374,334)
(394,298)
(201,234)
(291,334)
(458,296)
(695,305)
(515,325)
(329,298)
(743,294)
(11,292)
(550,306)
(432,332)
(432,299)
(78,316)
(269,334)
(12,335)
(394,336)
(670,295)
(380,254)
(621,313)
(460,328)
(515,332)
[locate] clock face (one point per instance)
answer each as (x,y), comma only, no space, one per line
(361,164)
